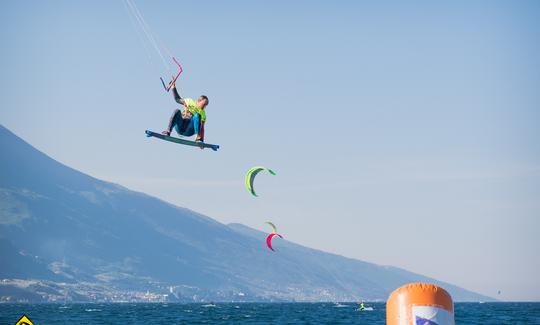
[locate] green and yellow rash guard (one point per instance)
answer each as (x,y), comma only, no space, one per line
(192,107)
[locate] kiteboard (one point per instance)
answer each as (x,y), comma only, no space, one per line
(199,144)
(365,309)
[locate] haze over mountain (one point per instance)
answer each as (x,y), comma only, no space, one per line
(67,236)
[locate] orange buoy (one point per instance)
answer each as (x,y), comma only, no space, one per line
(420,304)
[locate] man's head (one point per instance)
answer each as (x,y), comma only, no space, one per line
(202,101)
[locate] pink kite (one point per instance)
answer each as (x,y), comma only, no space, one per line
(269,240)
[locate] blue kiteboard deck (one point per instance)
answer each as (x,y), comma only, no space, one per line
(214,147)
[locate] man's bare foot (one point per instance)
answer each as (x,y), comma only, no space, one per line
(167,133)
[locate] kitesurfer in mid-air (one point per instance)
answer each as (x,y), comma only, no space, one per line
(189,121)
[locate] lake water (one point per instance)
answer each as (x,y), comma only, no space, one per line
(252,313)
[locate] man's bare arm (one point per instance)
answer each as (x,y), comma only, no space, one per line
(200,136)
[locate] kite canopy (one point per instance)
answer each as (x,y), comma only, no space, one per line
(269,240)
(250,177)
(274,228)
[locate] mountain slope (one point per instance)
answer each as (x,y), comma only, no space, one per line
(66,234)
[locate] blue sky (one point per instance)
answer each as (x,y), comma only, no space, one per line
(402,134)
